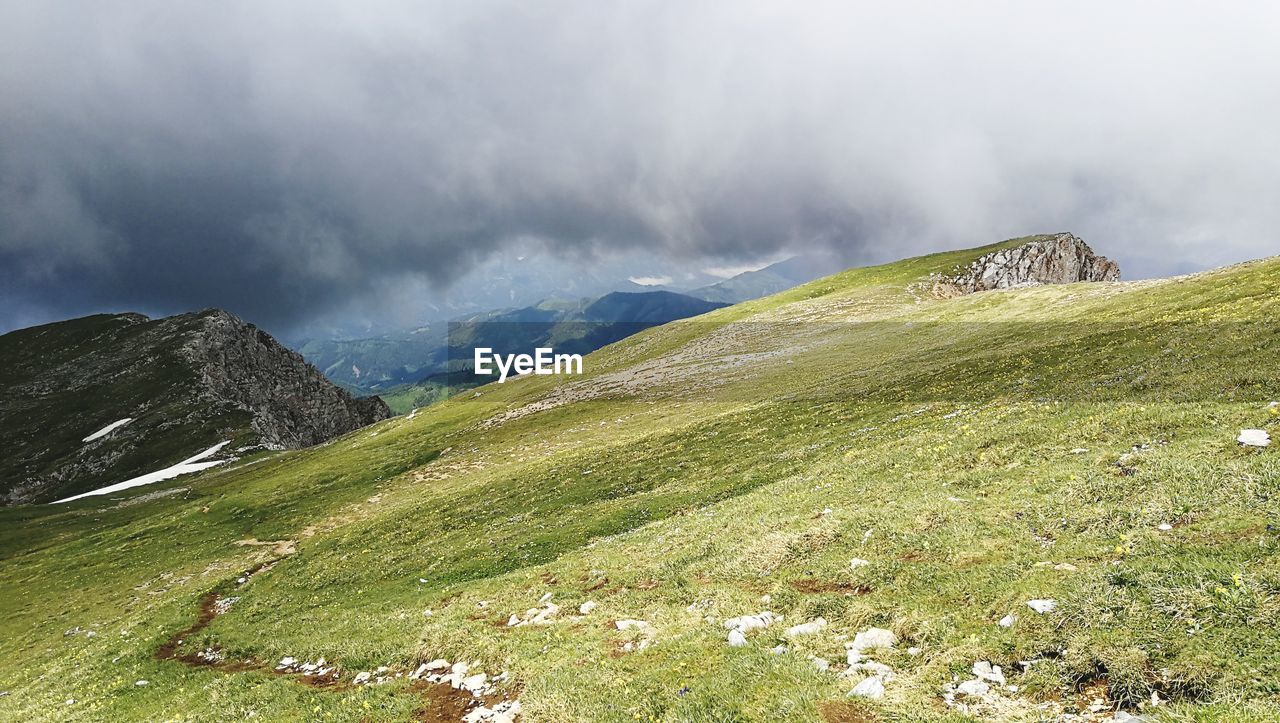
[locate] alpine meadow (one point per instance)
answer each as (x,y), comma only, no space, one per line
(889,494)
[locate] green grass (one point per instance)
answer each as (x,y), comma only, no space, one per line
(939,434)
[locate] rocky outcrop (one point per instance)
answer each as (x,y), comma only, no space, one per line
(292,403)
(184,383)
(1055,259)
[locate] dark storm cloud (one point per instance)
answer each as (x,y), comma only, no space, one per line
(280,159)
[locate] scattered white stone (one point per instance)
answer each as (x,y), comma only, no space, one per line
(778,650)
(873,638)
(1079,450)
(914,651)
(1043,606)
(513,621)
(872,688)
(475,683)
(747,623)
(737,639)
(822,664)
(1254,438)
(766,599)
(631,624)
(858,562)
(418,673)
(1065,567)
(545,598)
(973,687)
(809,628)
(141,683)
(438,664)
(361,678)
(544,616)
(1008,620)
(586,607)
(988,672)
(1164,527)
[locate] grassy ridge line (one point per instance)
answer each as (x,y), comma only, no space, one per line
(387,531)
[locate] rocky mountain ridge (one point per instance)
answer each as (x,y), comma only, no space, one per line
(185,383)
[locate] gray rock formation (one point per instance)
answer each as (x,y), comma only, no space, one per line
(186,383)
(1054,259)
(292,403)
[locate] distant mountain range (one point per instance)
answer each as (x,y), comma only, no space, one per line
(767,281)
(97,401)
(413,367)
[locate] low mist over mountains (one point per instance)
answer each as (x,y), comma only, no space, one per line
(95,401)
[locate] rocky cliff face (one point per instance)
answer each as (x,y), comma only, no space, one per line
(184,383)
(1056,259)
(293,405)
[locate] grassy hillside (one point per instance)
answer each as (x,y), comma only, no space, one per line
(976,452)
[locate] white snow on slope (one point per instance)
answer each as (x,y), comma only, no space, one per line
(107,429)
(186,466)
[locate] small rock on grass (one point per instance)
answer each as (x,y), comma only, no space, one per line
(872,688)
(809,628)
(1008,620)
(873,638)
(737,639)
(1254,438)
(1043,606)
(984,670)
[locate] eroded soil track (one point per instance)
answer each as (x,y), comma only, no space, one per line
(441,702)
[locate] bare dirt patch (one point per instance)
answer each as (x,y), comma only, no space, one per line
(839,711)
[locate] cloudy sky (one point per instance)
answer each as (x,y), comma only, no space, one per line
(286,159)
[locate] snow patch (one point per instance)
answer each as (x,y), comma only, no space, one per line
(186,466)
(108,429)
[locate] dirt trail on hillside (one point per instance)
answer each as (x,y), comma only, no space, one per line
(440,701)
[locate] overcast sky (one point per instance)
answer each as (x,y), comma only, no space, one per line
(282,159)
